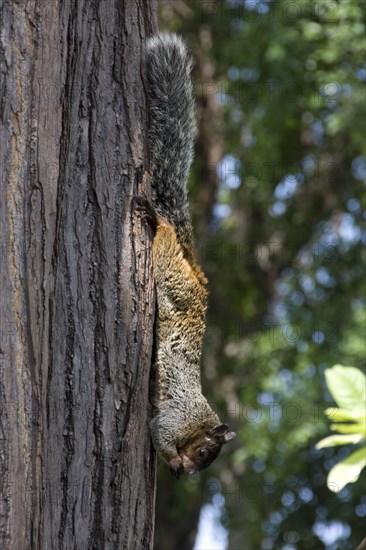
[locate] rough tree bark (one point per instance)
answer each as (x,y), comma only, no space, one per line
(76,296)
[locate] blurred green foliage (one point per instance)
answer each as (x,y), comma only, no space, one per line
(279,221)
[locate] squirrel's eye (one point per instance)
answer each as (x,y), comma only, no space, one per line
(202,452)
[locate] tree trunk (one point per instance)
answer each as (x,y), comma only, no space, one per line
(77,468)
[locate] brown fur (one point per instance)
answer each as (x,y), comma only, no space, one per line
(183,418)
(185,430)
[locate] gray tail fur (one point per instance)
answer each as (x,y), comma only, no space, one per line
(173,128)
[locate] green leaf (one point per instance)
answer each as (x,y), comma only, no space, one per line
(337,415)
(333,440)
(347,471)
(347,386)
(354,428)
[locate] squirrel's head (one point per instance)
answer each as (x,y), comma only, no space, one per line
(198,453)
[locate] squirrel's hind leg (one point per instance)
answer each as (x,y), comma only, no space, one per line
(141,204)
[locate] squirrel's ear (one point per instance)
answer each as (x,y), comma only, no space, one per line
(229,436)
(222,430)
(219,430)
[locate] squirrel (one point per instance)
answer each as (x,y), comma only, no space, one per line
(186,432)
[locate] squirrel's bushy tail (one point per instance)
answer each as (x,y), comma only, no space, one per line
(173,128)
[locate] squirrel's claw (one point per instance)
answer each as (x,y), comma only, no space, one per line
(176,472)
(141,204)
(176,467)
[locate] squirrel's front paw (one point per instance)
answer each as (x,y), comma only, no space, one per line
(176,467)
